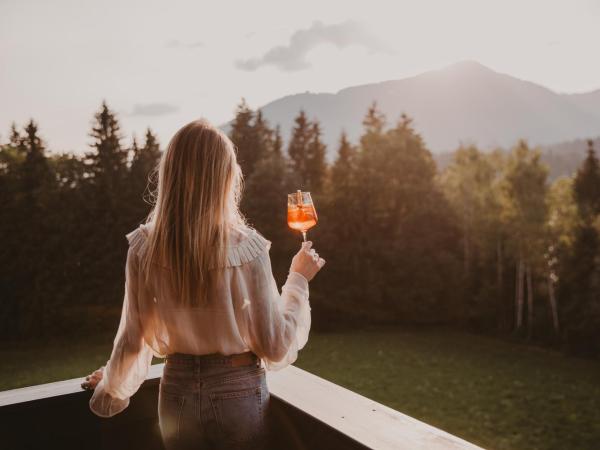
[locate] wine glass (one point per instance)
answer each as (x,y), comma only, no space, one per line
(301,213)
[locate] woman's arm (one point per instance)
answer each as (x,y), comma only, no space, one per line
(130,359)
(278,324)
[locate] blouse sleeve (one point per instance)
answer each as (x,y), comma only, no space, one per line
(131,357)
(277,324)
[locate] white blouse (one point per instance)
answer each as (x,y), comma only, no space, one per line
(248,313)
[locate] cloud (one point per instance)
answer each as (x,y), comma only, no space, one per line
(292,57)
(174,43)
(153,109)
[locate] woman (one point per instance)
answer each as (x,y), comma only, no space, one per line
(199,291)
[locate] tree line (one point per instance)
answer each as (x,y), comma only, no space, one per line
(488,243)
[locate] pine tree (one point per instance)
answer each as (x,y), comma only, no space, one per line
(108,206)
(587,185)
(580,289)
(145,158)
(15,140)
(36,171)
(581,273)
(373,125)
(243,134)
(151,145)
(372,145)
(13,279)
(298,151)
(316,166)
(263,136)
(134,151)
(277,141)
(341,214)
(342,170)
(403,222)
(34,209)
(142,177)
(108,160)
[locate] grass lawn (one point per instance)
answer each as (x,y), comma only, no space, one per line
(497,394)
(494,393)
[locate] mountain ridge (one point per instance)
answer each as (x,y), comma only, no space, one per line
(465,102)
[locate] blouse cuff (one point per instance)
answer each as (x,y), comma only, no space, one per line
(298,284)
(103,404)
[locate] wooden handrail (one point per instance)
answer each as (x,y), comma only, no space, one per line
(311,412)
(370,423)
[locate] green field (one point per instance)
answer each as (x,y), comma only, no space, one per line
(495,393)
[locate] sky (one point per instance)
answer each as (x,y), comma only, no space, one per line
(164,63)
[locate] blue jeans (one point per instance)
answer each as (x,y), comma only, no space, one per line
(206,403)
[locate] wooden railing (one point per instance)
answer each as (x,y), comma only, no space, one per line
(308,412)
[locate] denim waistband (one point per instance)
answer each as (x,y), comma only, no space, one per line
(212,359)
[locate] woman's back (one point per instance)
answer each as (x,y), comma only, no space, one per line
(245,312)
(222,324)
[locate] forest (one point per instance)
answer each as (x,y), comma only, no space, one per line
(490,243)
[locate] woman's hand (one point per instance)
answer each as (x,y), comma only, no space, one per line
(307,261)
(93,379)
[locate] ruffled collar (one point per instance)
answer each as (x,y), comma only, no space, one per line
(247,247)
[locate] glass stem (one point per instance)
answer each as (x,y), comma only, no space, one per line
(304,236)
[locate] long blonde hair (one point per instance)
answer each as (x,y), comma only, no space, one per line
(197,204)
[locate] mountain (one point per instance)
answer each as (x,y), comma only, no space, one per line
(464,102)
(589,101)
